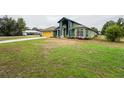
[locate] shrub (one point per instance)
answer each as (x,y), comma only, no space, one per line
(114,32)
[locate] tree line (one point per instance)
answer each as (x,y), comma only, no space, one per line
(11,27)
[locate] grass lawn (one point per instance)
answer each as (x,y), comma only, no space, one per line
(62,58)
(2,38)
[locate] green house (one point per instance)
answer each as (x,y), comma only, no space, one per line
(71,29)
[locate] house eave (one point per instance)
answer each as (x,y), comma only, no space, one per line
(86,28)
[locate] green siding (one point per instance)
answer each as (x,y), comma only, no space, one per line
(74,25)
(84,33)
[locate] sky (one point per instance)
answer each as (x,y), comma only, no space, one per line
(44,21)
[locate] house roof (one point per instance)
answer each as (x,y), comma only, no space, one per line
(82,26)
(78,26)
(57,28)
(64,18)
(52,28)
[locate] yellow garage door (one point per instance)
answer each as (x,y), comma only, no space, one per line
(47,34)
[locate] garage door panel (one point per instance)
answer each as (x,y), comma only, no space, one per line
(47,34)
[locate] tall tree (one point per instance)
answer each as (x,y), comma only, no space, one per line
(120,21)
(9,26)
(21,25)
(107,24)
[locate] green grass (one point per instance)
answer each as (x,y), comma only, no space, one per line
(44,58)
(89,61)
(2,38)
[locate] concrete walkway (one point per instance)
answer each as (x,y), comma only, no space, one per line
(23,39)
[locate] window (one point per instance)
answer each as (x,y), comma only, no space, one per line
(86,33)
(81,33)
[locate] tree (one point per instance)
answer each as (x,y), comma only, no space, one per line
(114,32)
(95,29)
(21,24)
(10,27)
(121,23)
(107,24)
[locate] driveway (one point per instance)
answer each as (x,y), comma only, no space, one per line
(23,39)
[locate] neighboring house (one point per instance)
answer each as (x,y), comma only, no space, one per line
(48,32)
(71,29)
(30,32)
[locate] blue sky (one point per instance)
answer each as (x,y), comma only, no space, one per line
(43,21)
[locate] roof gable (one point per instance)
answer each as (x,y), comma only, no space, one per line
(64,18)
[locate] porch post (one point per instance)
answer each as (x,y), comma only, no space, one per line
(62,33)
(57,33)
(70,27)
(75,32)
(61,30)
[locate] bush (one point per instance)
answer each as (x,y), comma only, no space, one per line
(114,32)
(106,25)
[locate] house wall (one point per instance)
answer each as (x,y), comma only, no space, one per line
(72,32)
(75,25)
(60,25)
(81,32)
(91,34)
(58,33)
(55,33)
(69,28)
(84,33)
